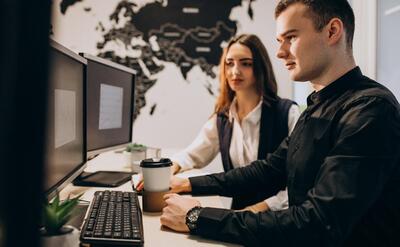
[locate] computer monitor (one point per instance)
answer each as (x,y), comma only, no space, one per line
(110,104)
(65,154)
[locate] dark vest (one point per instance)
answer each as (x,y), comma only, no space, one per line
(273,129)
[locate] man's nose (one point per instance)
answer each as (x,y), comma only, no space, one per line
(282,53)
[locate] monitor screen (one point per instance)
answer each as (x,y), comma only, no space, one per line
(65,155)
(110,104)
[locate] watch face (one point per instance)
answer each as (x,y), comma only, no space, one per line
(191,226)
(191,218)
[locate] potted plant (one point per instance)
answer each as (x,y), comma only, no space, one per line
(134,153)
(55,215)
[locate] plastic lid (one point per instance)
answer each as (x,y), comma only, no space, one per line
(156,163)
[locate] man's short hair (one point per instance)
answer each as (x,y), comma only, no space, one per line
(322,11)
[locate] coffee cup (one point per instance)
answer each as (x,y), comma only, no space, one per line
(156,174)
(156,177)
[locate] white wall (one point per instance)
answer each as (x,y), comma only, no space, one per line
(377,40)
(182,106)
(388,52)
(365,36)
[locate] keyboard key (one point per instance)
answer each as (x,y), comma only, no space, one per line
(127,234)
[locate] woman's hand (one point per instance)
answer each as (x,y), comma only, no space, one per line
(175,168)
(178,185)
(256,208)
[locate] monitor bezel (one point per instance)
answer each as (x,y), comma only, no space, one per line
(90,154)
(52,191)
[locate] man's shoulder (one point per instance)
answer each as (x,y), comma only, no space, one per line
(371,91)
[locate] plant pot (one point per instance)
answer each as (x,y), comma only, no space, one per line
(137,155)
(69,236)
(127,158)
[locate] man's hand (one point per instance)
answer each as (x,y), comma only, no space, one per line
(174,214)
(178,185)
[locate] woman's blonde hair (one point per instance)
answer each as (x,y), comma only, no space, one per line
(262,69)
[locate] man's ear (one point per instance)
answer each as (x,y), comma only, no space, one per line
(335,31)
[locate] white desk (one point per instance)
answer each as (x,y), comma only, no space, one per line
(154,234)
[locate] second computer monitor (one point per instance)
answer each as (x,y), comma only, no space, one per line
(110,104)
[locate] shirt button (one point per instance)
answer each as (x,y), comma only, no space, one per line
(314,97)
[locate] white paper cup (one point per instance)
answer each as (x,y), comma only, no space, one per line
(156,174)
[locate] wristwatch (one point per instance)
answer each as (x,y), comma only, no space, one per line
(191,218)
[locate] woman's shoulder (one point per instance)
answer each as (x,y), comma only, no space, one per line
(284,101)
(280,103)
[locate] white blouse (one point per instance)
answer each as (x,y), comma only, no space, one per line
(243,149)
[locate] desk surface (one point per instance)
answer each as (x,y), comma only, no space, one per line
(154,233)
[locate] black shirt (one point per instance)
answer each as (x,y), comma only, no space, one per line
(341,165)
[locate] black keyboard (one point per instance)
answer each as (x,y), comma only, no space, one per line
(114,218)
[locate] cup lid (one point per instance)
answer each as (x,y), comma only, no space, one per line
(156,163)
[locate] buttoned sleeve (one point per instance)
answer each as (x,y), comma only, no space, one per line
(279,201)
(362,162)
(202,150)
(267,176)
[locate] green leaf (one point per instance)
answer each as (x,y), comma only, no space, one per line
(55,202)
(51,222)
(66,209)
(135,146)
(56,214)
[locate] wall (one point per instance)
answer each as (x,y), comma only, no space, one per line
(376,43)
(388,72)
(365,35)
(176,107)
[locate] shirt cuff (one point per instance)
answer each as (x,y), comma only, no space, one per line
(278,202)
(183,161)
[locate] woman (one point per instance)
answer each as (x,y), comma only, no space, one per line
(249,121)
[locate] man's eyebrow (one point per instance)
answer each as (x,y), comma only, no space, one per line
(288,32)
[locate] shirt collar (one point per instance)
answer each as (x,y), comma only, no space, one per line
(336,87)
(253,117)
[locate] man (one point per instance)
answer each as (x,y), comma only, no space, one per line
(341,164)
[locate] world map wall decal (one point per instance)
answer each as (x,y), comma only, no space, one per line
(187,33)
